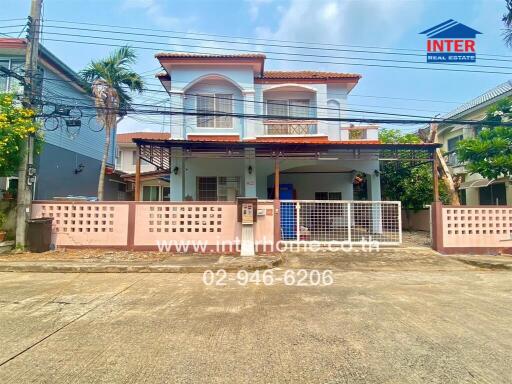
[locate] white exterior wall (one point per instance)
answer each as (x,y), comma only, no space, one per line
(336,97)
(249,98)
(124,162)
(307,176)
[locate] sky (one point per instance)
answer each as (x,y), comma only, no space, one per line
(376,23)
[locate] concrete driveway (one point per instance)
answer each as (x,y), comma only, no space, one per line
(410,319)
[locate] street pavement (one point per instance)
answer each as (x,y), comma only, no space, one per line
(391,317)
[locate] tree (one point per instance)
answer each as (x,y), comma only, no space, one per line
(16,124)
(110,80)
(408,182)
(490,152)
(507,20)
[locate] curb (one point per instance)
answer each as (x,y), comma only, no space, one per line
(67,267)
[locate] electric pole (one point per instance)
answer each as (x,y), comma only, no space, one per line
(26,170)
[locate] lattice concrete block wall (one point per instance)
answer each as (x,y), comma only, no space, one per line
(86,224)
(188,222)
(483,226)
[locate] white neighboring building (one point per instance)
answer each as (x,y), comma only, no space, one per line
(475,190)
(155,186)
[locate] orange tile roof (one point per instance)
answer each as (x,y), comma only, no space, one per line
(210,55)
(307,140)
(125,138)
(310,75)
(294,139)
(215,138)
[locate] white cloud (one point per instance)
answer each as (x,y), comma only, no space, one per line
(254,7)
(156,12)
(361,22)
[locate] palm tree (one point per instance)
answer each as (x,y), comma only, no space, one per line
(110,80)
(507,19)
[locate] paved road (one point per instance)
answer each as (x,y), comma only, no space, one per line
(432,320)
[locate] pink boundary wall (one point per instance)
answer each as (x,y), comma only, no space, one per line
(472,229)
(141,225)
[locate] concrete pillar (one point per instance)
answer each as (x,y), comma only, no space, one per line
(373,181)
(250,172)
(249,130)
(508,191)
(177,179)
(373,185)
(322,112)
(468,132)
(177,121)
(472,196)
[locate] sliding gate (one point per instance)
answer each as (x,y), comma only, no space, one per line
(351,222)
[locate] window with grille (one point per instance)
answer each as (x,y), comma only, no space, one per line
(207,188)
(220,188)
(215,103)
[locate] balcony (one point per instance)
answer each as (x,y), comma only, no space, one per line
(290,127)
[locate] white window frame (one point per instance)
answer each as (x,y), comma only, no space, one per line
(217,120)
(290,104)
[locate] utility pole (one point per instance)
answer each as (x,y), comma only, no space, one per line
(25,171)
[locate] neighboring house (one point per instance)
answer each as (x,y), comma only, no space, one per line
(70,159)
(155,185)
(474,189)
(222,157)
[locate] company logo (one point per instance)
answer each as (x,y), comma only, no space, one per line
(451,42)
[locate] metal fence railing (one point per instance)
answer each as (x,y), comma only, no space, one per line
(353,222)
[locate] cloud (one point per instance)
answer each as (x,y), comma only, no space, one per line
(362,22)
(254,7)
(156,12)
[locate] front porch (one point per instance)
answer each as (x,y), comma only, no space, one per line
(292,169)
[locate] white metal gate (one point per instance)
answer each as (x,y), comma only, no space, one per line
(352,222)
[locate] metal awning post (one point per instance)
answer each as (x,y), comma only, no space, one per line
(435,175)
(277,203)
(137,175)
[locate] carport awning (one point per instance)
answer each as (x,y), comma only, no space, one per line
(158,152)
(480,183)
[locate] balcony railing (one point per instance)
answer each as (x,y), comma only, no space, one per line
(360,133)
(290,127)
(452,160)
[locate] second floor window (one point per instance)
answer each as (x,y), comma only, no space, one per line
(452,143)
(215,103)
(295,108)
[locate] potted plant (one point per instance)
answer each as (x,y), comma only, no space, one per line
(3,219)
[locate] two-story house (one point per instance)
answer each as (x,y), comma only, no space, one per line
(70,158)
(238,130)
(474,189)
(154,184)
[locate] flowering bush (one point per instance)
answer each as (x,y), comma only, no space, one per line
(16,124)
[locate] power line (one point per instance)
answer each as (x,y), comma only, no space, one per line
(297,105)
(316,43)
(334,93)
(193,112)
(296,60)
(294,54)
(248,43)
